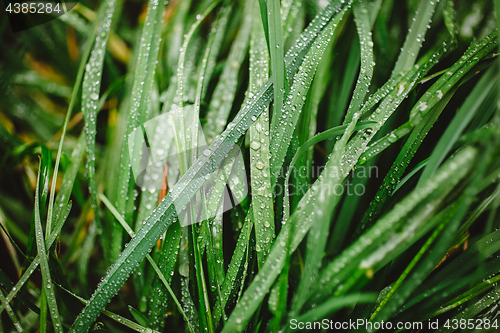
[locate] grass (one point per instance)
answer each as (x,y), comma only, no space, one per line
(229,166)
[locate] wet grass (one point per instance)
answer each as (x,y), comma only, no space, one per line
(228,166)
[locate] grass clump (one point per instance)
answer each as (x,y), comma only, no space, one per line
(370,131)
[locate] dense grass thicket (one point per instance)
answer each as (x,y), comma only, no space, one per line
(251,165)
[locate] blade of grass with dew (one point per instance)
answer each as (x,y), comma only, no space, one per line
(478,290)
(117,318)
(450,19)
(151,194)
(168,258)
(459,122)
(332,132)
(363,25)
(216,47)
(473,310)
(335,273)
(46,157)
(239,262)
(260,182)
(410,174)
(307,124)
(11,313)
(184,142)
(289,12)
(389,139)
(36,261)
(86,54)
(90,96)
(469,59)
(281,133)
(415,37)
(174,36)
(426,305)
(164,214)
(224,93)
(391,101)
(401,163)
(276,51)
(141,92)
(299,222)
(410,266)
(131,233)
(44,263)
(442,244)
(228,81)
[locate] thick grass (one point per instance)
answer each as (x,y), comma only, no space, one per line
(367,186)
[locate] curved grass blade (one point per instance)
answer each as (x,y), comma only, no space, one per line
(289,12)
(119,319)
(415,37)
(401,163)
(36,261)
(459,122)
(410,174)
(90,96)
(363,25)
(332,132)
(164,215)
(450,19)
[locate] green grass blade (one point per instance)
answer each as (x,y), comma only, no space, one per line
(363,25)
(334,304)
(131,233)
(450,19)
(443,243)
(224,93)
(117,318)
(281,133)
(10,312)
(332,132)
(36,261)
(260,182)
(44,263)
(90,96)
(74,94)
(402,161)
(460,121)
(415,37)
(141,92)
(236,271)
(276,52)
